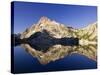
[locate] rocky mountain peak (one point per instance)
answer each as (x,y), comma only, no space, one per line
(87,40)
(44,20)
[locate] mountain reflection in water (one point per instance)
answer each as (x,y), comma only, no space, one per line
(24,62)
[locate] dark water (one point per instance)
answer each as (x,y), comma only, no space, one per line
(24,63)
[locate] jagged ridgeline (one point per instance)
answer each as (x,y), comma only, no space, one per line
(87,40)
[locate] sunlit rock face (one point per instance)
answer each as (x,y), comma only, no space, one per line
(87,40)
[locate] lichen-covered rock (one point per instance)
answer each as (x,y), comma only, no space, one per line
(87,40)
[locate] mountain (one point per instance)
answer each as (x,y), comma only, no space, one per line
(87,40)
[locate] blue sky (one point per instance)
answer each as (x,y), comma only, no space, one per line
(76,16)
